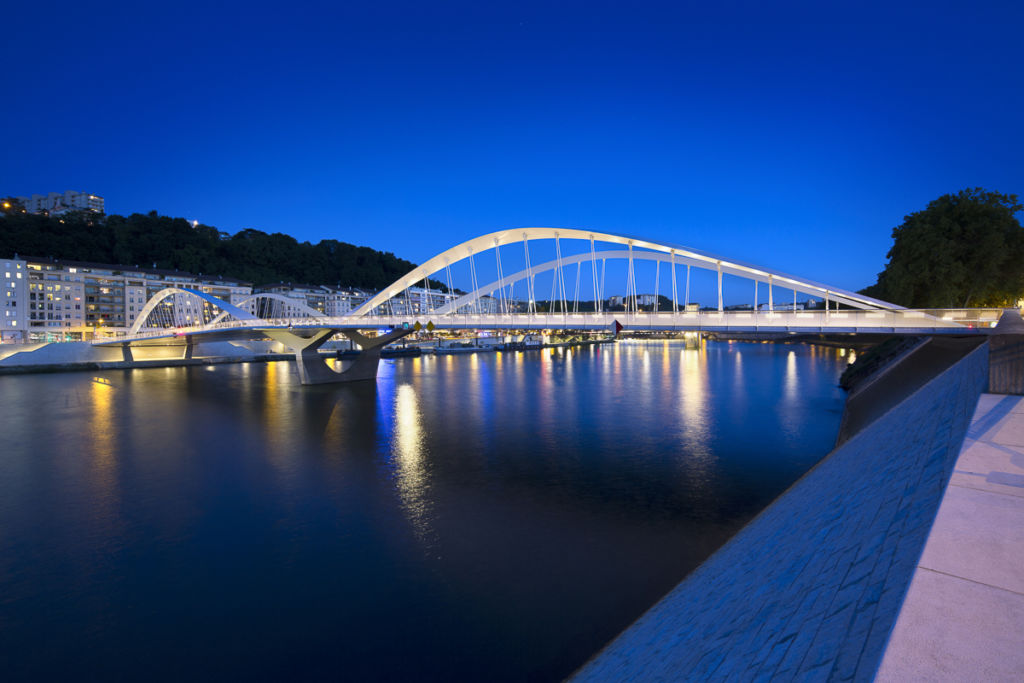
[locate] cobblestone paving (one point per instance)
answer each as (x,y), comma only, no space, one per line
(811,588)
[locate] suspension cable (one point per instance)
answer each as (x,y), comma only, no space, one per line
(631,285)
(501,276)
(531,304)
(657,284)
(675,299)
(472,279)
(451,290)
(687,300)
(576,293)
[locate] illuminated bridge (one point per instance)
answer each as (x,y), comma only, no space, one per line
(576,282)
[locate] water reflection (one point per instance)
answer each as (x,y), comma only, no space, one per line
(790,410)
(101,432)
(569,491)
(409,452)
(792,380)
(277,419)
(99,441)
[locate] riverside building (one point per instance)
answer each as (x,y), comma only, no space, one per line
(329,301)
(46,299)
(337,301)
(56,203)
(61,300)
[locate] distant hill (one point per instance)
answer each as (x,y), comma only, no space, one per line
(250,255)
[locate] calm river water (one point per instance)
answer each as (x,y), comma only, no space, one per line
(487,517)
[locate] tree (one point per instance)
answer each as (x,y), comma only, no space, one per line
(964,249)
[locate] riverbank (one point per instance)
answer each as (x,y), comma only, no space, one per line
(138,364)
(52,357)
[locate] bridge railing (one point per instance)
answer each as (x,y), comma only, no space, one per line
(749,320)
(846,319)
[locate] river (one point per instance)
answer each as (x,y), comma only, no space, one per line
(480,517)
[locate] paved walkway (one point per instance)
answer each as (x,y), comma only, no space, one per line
(963,618)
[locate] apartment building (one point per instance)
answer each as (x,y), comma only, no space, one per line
(56,203)
(61,300)
(14,282)
(420,302)
(56,299)
(415,302)
(329,301)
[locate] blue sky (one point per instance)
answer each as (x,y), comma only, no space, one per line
(790,135)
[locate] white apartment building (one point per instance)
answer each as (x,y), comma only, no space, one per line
(56,203)
(333,302)
(57,300)
(784,306)
(419,302)
(415,302)
(641,300)
(14,282)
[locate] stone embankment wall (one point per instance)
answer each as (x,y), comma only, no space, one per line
(811,588)
(70,356)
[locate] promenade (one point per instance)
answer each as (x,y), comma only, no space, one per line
(963,618)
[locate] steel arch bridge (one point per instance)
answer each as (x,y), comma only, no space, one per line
(200,316)
(636,249)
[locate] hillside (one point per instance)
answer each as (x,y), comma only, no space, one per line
(250,255)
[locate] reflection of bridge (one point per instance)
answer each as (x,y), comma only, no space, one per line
(194,316)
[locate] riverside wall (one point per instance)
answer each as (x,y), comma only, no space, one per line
(75,356)
(811,588)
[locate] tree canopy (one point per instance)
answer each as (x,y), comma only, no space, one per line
(152,240)
(964,249)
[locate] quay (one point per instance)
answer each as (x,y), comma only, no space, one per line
(963,618)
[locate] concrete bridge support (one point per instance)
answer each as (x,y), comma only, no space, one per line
(312,367)
(1006,355)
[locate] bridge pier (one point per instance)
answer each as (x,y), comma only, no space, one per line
(126,353)
(1006,355)
(189,348)
(313,369)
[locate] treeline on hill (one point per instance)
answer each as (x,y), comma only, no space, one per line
(173,243)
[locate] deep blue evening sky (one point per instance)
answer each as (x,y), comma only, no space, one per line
(792,136)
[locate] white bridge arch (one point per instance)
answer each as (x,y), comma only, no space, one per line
(675,255)
(184,307)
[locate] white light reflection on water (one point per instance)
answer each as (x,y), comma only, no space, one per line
(101,444)
(790,383)
(693,401)
(789,408)
(279,419)
(645,366)
(407,449)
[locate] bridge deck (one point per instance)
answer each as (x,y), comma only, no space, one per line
(798,322)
